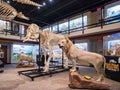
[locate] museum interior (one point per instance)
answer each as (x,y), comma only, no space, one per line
(59,44)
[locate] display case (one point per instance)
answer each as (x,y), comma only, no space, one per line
(112,55)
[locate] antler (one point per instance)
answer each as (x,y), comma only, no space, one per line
(29,2)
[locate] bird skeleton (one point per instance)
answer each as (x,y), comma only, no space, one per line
(29,2)
(7,12)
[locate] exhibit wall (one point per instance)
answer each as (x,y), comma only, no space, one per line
(92,45)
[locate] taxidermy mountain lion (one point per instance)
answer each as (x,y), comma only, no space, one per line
(76,55)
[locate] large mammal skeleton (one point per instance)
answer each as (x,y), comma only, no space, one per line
(47,40)
(29,2)
(7,12)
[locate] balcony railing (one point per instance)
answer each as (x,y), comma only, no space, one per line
(101,23)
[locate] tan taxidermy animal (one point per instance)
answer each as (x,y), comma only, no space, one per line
(25,58)
(7,12)
(82,57)
(29,2)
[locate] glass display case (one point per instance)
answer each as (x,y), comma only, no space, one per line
(112,55)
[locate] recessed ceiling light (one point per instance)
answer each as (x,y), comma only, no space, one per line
(50,0)
(38,7)
(44,3)
(8,1)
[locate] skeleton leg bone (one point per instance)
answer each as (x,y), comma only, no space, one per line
(46,69)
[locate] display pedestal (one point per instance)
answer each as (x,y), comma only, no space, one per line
(1,65)
(112,67)
(77,81)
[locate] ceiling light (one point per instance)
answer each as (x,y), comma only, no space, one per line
(44,3)
(50,0)
(8,1)
(38,7)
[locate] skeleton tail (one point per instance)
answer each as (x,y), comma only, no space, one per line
(29,2)
(21,15)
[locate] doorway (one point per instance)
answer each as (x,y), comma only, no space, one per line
(4,48)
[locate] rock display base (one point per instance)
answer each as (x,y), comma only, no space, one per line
(78,81)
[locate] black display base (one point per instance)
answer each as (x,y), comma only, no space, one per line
(34,73)
(113,75)
(112,67)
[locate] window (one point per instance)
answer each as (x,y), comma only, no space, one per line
(21,29)
(63,27)
(77,23)
(85,21)
(47,28)
(54,28)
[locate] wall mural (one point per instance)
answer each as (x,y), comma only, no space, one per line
(23,50)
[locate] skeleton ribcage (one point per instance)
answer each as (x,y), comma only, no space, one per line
(7,12)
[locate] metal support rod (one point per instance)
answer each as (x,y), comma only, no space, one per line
(101,17)
(39,56)
(82,23)
(68,26)
(57,27)
(62,59)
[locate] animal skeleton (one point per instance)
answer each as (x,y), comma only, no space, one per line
(47,40)
(28,2)
(7,12)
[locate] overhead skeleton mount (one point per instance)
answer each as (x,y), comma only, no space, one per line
(29,2)
(7,12)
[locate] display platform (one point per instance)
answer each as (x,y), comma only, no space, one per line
(34,73)
(79,81)
(112,67)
